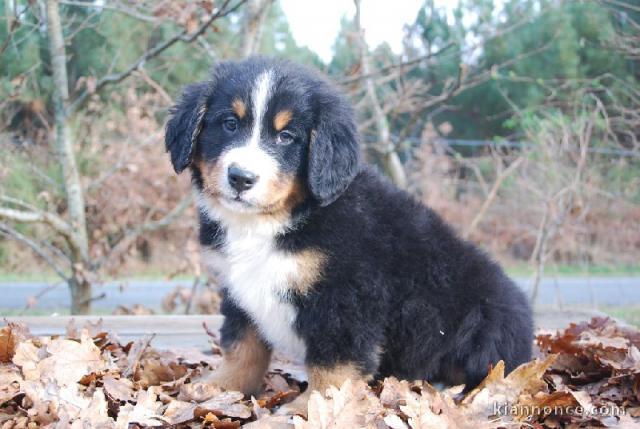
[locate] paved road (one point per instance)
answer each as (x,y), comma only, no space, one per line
(567,291)
(604,291)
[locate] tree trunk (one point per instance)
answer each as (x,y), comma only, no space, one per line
(80,289)
(390,159)
(255,15)
(538,254)
(80,294)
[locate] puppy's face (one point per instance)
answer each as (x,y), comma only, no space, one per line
(262,137)
(253,146)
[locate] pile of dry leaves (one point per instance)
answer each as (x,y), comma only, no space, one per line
(586,376)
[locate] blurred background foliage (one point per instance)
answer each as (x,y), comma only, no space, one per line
(550,85)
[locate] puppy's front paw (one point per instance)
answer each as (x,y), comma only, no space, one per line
(219,379)
(236,381)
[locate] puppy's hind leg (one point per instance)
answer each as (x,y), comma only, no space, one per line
(489,336)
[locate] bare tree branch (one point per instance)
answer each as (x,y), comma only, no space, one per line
(54,221)
(491,196)
(117,8)
(17,202)
(40,294)
(72,227)
(37,248)
(132,235)
(153,84)
(13,26)
(64,140)
(403,64)
(255,14)
(182,36)
(623,4)
(412,62)
(389,157)
(33,208)
(34,215)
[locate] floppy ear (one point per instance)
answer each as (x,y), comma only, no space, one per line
(184,125)
(334,155)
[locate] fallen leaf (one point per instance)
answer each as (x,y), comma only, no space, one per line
(352,405)
(70,360)
(154,371)
(95,415)
(270,422)
(92,329)
(10,379)
(225,404)
(496,388)
(145,412)
(197,392)
(94,381)
(395,422)
(27,356)
(10,336)
(118,389)
(179,412)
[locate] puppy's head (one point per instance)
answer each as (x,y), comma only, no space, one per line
(263,136)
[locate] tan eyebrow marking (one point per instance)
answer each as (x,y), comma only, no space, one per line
(281,119)
(239,107)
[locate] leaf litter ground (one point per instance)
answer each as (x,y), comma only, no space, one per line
(585,376)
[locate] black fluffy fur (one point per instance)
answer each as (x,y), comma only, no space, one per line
(400,293)
(402,282)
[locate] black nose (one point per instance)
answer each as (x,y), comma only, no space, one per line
(240,179)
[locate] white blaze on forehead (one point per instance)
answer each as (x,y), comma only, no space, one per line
(260,98)
(251,156)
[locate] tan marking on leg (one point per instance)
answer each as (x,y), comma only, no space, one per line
(239,108)
(320,378)
(244,365)
(282,119)
(310,263)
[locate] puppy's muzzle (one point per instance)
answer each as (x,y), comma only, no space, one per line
(240,179)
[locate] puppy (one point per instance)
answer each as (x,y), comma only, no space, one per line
(319,256)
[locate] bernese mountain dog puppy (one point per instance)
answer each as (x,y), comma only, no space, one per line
(319,256)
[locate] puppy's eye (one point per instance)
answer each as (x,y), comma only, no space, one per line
(285,137)
(230,124)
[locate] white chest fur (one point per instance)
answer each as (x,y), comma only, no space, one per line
(257,277)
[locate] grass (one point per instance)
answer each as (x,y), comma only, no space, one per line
(514,270)
(28,277)
(522,270)
(16,312)
(50,277)
(629,314)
